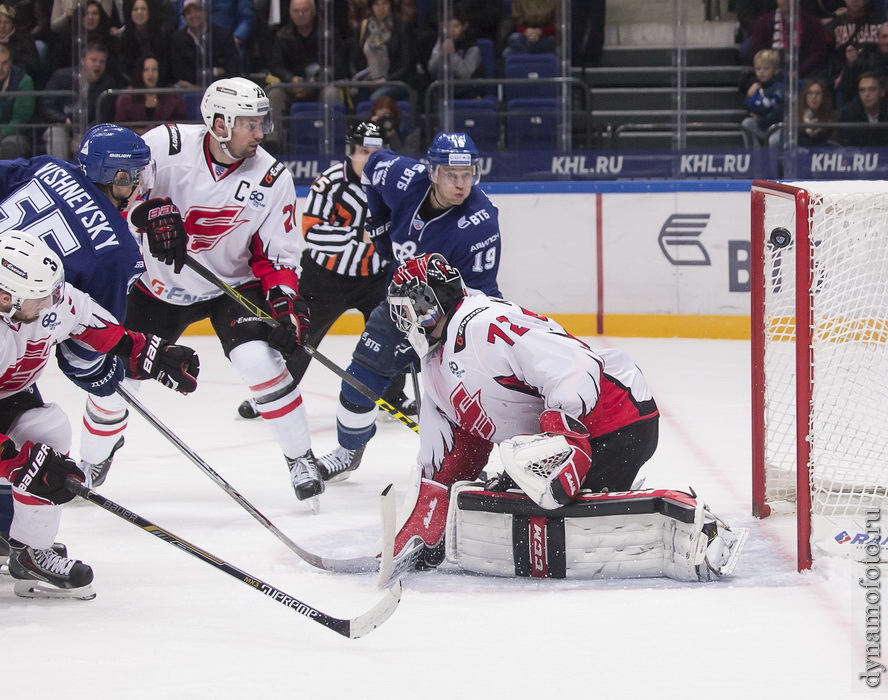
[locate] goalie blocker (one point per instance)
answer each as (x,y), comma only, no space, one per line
(632,534)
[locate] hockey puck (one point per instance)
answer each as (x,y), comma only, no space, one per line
(780,237)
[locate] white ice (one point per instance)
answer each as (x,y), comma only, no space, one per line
(166,625)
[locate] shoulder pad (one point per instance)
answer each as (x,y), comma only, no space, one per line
(175,138)
(274,172)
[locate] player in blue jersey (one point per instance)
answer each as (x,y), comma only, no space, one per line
(414,209)
(76,212)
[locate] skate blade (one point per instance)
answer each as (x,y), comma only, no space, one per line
(342,476)
(38,589)
(4,566)
(314,503)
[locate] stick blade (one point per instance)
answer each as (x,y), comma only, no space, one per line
(382,611)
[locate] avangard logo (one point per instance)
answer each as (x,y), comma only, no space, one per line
(679,239)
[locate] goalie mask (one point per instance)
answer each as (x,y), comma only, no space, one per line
(30,272)
(423,291)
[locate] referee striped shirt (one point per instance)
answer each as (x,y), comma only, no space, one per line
(333,218)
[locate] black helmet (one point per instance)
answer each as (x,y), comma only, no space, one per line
(365,133)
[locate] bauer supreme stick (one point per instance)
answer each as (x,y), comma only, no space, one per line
(352,628)
(314,352)
(347,566)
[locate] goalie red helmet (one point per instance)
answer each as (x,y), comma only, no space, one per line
(422,292)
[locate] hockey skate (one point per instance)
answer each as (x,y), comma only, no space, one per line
(97,473)
(57,547)
(44,573)
(248,410)
(306,480)
(338,464)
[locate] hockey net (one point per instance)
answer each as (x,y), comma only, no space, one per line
(819,308)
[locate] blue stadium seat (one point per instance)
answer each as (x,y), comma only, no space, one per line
(530,65)
(192,105)
(478,118)
(488,57)
(306,127)
(532,123)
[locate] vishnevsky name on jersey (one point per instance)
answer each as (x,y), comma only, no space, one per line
(81,203)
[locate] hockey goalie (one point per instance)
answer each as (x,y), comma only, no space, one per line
(573,426)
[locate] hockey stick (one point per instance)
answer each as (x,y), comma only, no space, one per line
(351,628)
(348,566)
(314,352)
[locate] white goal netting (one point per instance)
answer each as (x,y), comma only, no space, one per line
(847,284)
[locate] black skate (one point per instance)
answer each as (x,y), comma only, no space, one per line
(97,473)
(340,463)
(247,410)
(57,547)
(306,480)
(43,573)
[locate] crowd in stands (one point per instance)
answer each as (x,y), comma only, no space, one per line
(842,64)
(69,48)
(387,49)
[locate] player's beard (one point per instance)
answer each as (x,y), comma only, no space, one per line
(19,317)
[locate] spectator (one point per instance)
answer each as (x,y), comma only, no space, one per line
(60,138)
(149,108)
(870,107)
(144,32)
(386,112)
(764,101)
(771,31)
(92,18)
(63,12)
(381,52)
(466,62)
(815,105)
(858,25)
(483,16)
(531,27)
(859,62)
(235,16)
(20,44)
(294,56)
(192,53)
(14,143)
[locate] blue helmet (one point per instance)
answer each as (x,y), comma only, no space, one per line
(453,149)
(107,149)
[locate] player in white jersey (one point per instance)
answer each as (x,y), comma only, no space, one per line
(38,310)
(221,199)
(494,373)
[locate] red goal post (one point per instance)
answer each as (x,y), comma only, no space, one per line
(819,315)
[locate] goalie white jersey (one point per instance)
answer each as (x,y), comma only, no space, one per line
(243,228)
(25,348)
(500,366)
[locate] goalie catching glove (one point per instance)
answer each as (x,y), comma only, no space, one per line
(291,312)
(159,219)
(38,471)
(151,357)
(550,467)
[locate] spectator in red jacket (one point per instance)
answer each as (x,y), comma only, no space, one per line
(149,108)
(771,31)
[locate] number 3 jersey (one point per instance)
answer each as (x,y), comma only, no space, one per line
(500,366)
(467,235)
(25,347)
(240,218)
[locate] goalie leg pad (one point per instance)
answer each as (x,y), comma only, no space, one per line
(420,525)
(622,535)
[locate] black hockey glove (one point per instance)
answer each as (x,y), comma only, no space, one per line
(160,221)
(291,312)
(151,357)
(39,471)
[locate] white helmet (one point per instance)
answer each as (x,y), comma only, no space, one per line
(29,269)
(232,98)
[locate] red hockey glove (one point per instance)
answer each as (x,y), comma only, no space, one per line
(151,357)
(160,221)
(291,312)
(39,471)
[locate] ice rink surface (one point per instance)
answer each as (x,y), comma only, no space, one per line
(166,625)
